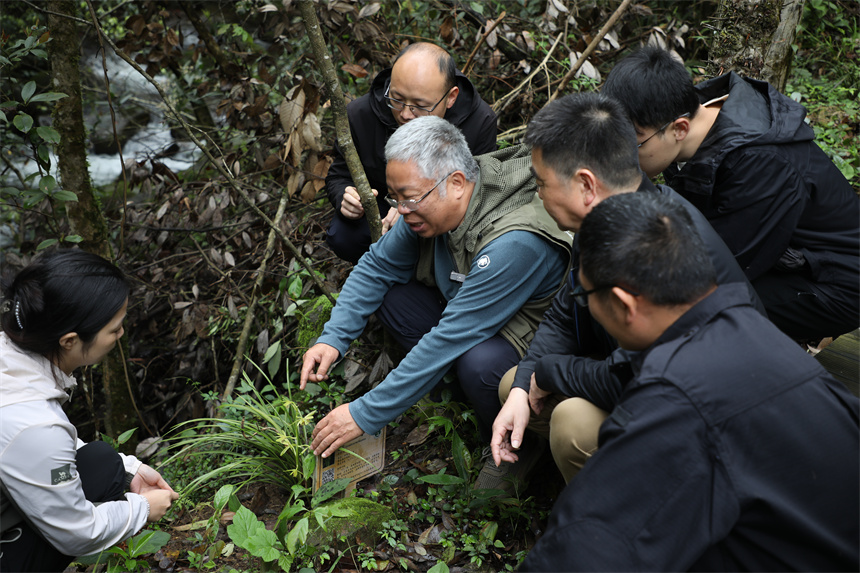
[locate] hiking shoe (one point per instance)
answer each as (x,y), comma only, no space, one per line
(511,477)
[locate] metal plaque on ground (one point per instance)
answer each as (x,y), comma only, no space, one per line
(366,459)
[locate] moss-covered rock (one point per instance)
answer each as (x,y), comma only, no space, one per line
(312,320)
(364,521)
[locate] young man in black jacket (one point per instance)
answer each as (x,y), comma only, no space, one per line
(583,151)
(424,80)
(741,153)
(730,449)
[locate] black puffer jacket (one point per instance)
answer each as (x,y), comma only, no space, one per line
(568,336)
(765,186)
(371,123)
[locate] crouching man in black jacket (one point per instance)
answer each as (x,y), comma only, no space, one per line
(730,449)
(583,151)
(424,80)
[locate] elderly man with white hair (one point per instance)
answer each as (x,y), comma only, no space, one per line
(462,279)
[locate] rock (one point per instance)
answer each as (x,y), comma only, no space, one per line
(364,522)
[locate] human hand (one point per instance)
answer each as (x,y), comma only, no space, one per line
(321,354)
(389,220)
(147,479)
(351,206)
(509,426)
(159,502)
(333,431)
(537,397)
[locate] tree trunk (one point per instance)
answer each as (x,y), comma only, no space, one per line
(777,61)
(744,32)
(85,217)
(338,107)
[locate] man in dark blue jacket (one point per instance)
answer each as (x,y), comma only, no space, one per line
(424,80)
(742,154)
(730,449)
(583,151)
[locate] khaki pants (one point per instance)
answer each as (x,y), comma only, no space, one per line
(570,424)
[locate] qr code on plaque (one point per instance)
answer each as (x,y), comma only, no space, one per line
(327,476)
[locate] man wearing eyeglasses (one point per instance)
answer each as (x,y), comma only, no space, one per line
(742,154)
(461,280)
(583,151)
(423,81)
(730,448)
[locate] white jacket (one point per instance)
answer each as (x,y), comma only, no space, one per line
(37,460)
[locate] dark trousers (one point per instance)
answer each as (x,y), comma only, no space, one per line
(804,309)
(102,479)
(349,239)
(409,312)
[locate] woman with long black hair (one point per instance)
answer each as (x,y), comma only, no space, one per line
(59,497)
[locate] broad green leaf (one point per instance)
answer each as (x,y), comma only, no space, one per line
(458,448)
(28,90)
(276,347)
(10,191)
(299,534)
(44,155)
(295,288)
(23,122)
(48,96)
(73,239)
(3,117)
(222,496)
(441,479)
(489,530)
(440,567)
(47,184)
(125,436)
(46,243)
(249,533)
(48,133)
(327,490)
(147,542)
(64,195)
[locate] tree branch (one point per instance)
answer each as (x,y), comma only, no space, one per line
(467,68)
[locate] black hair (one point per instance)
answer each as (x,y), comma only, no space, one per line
(648,243)
(61,292)
(653,86)
(446,63)
(586,130)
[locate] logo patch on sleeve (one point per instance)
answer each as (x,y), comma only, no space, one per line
(484,262)
(61,474)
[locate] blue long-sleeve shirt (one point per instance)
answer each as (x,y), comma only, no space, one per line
(522,267)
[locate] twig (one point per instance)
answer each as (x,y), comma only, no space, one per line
(467,68)
(502,103)
(115,134)
(221,168)
(249,315)
(591,47)
(131,392)
(224,275)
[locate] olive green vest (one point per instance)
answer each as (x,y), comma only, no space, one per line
(504,199)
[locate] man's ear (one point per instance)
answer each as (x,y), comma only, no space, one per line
(588,180)
(452,97)
(68,340)
(456,184)
(681,128)
(629,304)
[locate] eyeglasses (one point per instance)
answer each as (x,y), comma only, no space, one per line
(663,128)
(580,295)
(398,105)
(411,204)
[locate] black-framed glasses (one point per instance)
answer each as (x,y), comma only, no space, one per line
(663,128)
(417,110)
(413,204)
(580,295)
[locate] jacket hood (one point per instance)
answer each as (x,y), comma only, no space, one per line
(467,100)
(754,114)
(26,377)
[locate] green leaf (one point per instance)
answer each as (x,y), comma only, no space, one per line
(3,117)
(458,448)
(147,542)
(48,133)
(440,567)
(48,96)
(125,436)
(295,288)
(222,496)
(44,155)
(73,239)
(250,534)
(299,534)
(327,490)
(28,90)
(47,184)
(273,358)
(46,243)
(23,122)
(64,195)
(441,479)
